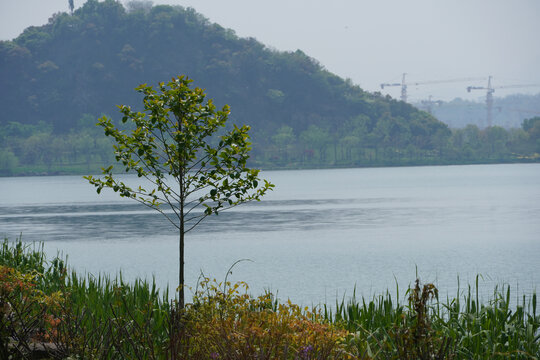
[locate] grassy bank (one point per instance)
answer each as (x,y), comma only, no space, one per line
(45,308)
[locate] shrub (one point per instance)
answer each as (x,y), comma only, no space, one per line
(225,322)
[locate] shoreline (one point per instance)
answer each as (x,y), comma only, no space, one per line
(96,168)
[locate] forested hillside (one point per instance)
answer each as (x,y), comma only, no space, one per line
(88,62)
(58,78)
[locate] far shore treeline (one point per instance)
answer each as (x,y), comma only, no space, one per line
(57,79)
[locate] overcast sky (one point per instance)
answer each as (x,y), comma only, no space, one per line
(373,42)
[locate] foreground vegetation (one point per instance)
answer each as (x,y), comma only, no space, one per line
(47,310)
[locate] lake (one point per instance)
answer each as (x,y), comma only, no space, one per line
(319,235)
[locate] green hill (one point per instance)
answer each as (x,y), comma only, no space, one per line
(88,62)
(57,78)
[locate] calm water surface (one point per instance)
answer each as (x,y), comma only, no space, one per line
(317,236)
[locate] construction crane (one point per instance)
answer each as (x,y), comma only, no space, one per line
(489,96)
(403,87)
(404,84)
(428,104)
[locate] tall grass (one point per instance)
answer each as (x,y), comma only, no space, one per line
(471,329)
(95,317)
(495,329)
(42,302)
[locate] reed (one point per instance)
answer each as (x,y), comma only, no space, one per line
(100,317)
(97,317)
(475,330)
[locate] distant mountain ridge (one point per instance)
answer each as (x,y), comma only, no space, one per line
(508,111)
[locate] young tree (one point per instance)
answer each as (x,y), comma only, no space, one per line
(284,138)
(316,138)
(71,6)
(174,146)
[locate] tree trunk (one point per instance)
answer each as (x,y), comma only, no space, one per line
(181,299)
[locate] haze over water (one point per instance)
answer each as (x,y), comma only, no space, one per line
(320,233)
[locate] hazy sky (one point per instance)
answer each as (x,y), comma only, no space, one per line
(375,41)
